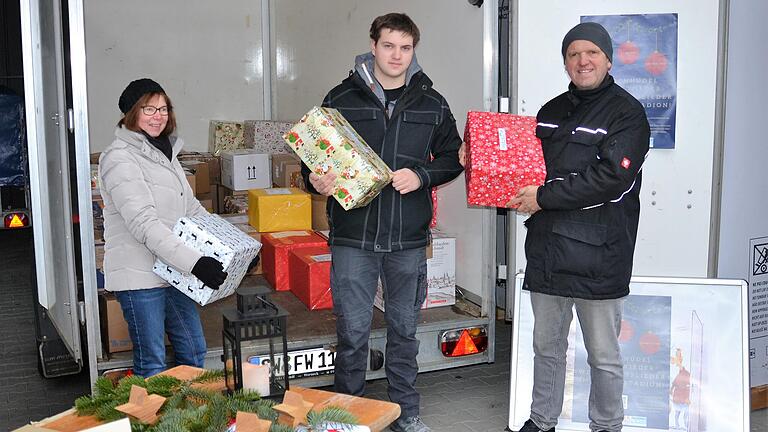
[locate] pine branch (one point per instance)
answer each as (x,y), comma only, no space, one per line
(331,414)
(280,428)
(163,385)
(208,376)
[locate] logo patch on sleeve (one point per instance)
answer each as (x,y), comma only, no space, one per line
(625,163)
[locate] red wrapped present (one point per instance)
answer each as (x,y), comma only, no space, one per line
(433,222)
(311,276)
(275,250)
(503,155)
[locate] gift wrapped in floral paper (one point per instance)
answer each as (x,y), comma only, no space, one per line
(266,136)
(325,141)
(225,135)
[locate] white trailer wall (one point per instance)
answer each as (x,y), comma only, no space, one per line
(744,215)
(206,55)
(316,43)
(676,196)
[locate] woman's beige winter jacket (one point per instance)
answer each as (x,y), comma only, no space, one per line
(144,195)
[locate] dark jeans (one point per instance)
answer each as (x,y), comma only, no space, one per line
(150,313)
(354,278)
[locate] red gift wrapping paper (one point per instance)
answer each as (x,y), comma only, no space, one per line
(275,250)
(503,155)
(433,222)
(311,276)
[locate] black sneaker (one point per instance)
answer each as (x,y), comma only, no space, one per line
(410,424)
(530,426)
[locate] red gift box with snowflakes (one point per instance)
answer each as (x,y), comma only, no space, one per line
(503,155)
(311,276)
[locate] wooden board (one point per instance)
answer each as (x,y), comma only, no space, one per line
(375,414)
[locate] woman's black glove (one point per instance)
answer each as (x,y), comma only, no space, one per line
(210,272)
(253,264)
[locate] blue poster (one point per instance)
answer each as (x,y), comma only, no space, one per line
(645,347)
(645,65)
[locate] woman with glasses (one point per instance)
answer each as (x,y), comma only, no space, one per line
(145,192)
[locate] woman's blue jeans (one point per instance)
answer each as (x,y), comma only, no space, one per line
(150,314)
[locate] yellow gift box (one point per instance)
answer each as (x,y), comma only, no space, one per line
(325,141)
(279,209)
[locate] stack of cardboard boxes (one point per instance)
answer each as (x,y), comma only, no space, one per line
(251,177)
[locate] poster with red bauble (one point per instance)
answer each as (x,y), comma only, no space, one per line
(645,64)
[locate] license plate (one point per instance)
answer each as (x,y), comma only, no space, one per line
(304,363)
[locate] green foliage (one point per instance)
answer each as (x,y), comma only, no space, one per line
(209,376)
(280,428)
(163,385)
(330,414)
(189,408)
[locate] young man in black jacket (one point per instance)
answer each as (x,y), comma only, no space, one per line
(582,230)
(390,102)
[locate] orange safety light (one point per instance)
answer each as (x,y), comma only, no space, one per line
(16,220)
(465,346)
(464,341)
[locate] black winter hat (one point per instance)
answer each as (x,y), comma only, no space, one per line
(134,92)
(593,32)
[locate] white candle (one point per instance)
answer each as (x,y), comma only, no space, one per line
(256,376)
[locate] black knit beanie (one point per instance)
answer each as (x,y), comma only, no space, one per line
(593,32)
(134,92)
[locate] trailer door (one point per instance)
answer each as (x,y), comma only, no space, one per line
(44,81)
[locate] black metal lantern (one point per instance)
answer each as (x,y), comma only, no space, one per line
(256,318)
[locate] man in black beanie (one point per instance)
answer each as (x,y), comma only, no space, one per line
(582,229)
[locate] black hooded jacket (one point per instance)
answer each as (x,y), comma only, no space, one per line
(581,244)
(420,134)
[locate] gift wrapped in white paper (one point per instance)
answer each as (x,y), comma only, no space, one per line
(214,237)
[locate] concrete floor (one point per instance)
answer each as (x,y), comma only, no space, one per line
(473,398)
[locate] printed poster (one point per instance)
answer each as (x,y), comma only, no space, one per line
(645,349)
(683,343)
(645,64)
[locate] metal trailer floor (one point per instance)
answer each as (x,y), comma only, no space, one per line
(471,398)
(305,327)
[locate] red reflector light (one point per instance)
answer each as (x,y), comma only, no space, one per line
(16,220)
(464,341)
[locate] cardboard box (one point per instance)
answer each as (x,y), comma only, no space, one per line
(283,166)
(214,164)
(310,279)
(503,155)
(279,209)
(276,251)
(325,141)
(114,329)
(191,180)
(266,136)
(207,204)
(211,199)
(202,178)
(319,212)
(245,169)
(441,274)
(212,236)
(224,136)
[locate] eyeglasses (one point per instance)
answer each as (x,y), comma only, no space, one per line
(151,110)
